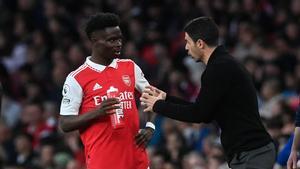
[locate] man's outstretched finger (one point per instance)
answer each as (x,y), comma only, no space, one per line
(156,90)
(147,109)
(149,92)
(143,103)
(145,95)
(144,100)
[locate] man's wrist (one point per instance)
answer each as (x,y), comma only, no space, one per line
(150,125)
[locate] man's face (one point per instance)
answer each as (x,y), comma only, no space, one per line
(107,42)
(193,48)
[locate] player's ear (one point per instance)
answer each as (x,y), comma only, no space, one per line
(93,37)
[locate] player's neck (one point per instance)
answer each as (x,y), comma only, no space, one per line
(100,60)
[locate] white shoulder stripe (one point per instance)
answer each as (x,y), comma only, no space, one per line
(94,69)
(78,70)
(124,60)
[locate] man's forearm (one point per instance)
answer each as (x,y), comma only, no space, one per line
(193,113)
(177,100)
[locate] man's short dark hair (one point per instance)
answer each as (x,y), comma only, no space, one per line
(101,21)
(203,28)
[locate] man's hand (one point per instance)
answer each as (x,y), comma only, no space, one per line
(150,96)
(107,106)
(143,137)
(292,162)
(153,91)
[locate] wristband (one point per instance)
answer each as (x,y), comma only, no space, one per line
(150,124)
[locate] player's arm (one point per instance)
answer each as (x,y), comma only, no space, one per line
(75,122)
(142,84)
(69,111)
(144,135)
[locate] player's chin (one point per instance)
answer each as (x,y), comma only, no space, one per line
(117,53)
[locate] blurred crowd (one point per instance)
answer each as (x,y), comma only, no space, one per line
(41,41)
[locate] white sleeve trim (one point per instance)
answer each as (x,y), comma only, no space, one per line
(72,97)
(140,80)
(150,124)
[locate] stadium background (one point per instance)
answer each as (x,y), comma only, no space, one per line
(41,41)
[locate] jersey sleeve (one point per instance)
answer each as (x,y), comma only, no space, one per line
(72,97)
(140,80)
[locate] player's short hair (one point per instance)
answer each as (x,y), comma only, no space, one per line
(203,28)
(101,21)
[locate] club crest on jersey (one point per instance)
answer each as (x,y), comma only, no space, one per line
(126,80)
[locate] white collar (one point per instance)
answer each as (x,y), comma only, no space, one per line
(99,67)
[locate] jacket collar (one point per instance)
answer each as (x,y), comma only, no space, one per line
(219,51)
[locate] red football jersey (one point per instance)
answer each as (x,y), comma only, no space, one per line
(84,89)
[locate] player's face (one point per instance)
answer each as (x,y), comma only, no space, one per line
(108,42)
(193,48)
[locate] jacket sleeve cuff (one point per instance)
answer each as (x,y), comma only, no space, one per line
(157,106)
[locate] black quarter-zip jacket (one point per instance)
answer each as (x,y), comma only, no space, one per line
(228,97)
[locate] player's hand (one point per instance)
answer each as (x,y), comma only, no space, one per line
(143,137)
(107,106)
(292,162)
